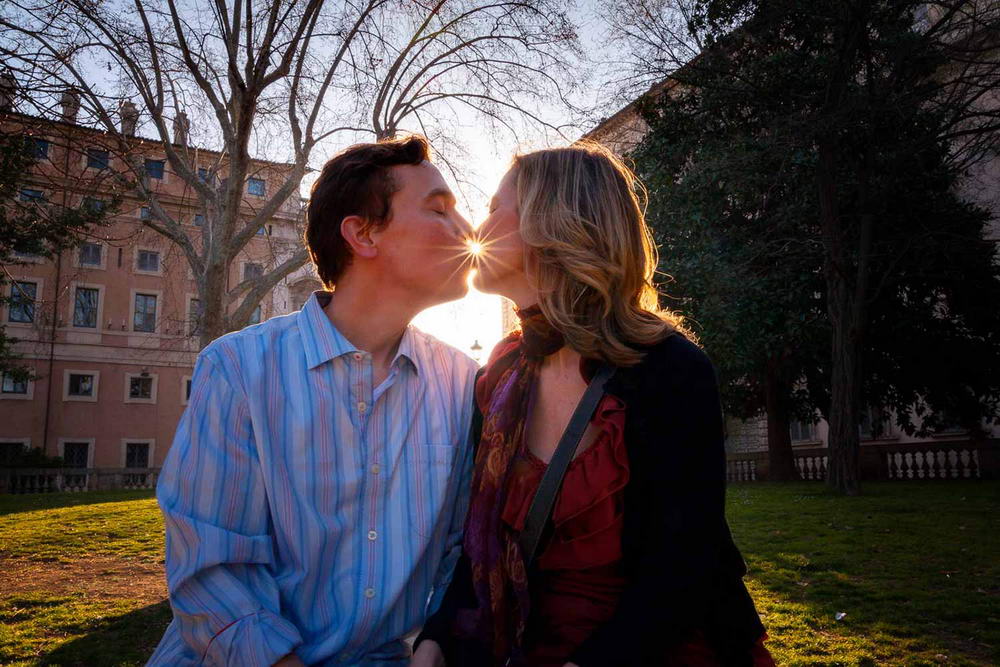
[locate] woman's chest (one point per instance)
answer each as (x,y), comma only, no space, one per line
(550,409)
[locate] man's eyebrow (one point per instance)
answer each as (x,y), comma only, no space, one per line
(441,192)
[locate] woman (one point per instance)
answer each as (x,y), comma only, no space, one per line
(638,566)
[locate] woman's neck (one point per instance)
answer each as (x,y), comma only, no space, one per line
(565,362)
(519,291)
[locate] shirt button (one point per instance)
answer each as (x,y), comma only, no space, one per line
(357,356)
(372,535)
(362,406)
(369,593)
(376,469)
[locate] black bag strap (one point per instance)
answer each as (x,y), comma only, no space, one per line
(548,488)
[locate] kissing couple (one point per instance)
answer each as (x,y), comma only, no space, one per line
(341,481)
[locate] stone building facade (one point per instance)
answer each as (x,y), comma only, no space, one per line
(110,330)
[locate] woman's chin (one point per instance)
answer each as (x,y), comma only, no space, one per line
(481,281)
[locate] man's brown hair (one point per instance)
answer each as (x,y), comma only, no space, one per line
(357,181)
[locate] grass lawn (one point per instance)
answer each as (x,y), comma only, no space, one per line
(913,567)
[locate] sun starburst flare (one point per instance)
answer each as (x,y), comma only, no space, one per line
(476,247)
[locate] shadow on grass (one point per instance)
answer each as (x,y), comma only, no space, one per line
(120,641)
(31,502)
(912,568)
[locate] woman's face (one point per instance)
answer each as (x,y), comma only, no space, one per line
(500,266)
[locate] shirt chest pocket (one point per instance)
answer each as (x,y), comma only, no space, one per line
(434,474)
(435,455)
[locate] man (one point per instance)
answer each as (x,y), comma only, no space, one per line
(315,491)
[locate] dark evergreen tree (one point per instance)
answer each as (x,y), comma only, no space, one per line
(803,178)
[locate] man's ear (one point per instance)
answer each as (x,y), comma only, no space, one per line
(358,234)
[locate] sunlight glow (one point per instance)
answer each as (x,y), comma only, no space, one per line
(476,247)
(473,324)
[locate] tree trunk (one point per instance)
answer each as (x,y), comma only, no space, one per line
(843,440)
(212,293)
(781,460)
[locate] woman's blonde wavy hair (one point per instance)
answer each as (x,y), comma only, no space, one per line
(589,251)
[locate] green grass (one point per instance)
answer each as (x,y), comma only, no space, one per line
(915,567)
(65,526)
(74,629)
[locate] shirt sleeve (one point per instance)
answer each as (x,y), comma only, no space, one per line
(456,530)
(219,546)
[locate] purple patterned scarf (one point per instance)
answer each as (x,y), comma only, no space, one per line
(499,575)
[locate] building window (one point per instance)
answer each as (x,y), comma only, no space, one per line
(199,220)
(85,307)
(36,148)
(81,384)
(255,316)
(31,195)
(261,231)
(252,271)
(22,302)
(148,260)
(90,254)
(140,387)
(145,213)
(187,389)
(12,386)
(144,318)
(204,175)
(256,187)
(154,169)
(194,317)
(136,454)
(11,452)
(93,204)
(802,431)
(75,454)
(97,158)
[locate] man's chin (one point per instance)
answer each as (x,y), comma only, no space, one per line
(447,293)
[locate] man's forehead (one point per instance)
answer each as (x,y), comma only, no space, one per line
(422,180)
(424,175)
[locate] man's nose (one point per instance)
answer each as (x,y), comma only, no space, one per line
(463,229)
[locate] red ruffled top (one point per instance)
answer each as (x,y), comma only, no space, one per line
(580,577)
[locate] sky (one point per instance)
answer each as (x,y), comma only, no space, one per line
(477,318)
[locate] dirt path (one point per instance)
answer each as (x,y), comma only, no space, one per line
(98,576)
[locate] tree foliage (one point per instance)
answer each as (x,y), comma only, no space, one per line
(806,174)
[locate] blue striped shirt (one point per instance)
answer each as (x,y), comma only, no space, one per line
(306,509)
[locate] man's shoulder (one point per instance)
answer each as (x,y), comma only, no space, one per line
(232,350)
(440,356)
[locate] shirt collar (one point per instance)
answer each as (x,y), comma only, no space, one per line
(323,341)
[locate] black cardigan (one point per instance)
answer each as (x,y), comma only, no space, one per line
(683,571)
